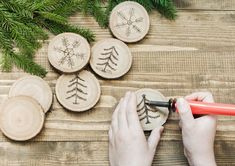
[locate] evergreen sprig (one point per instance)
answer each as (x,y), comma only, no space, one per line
(22,28)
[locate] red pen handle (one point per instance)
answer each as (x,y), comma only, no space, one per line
(211,108)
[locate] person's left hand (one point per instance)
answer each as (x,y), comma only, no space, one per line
(127,142)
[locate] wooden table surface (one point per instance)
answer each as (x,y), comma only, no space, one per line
(194,53)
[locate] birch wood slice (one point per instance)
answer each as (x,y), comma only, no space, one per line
(78,92)
(129,21)
(68,52)
(150,116)
(21,118)
(110,58)
(34,87)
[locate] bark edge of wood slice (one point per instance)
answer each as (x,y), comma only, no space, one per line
(68,52)
(110,58)
(35,87)
(150,116)
(129,21)
(78,92)
(21,118)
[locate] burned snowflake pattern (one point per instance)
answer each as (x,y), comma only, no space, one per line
(130,22)
(108,61)
(68,52)
(143,110)
(77,90)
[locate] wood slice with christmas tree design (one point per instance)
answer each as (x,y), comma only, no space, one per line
(150,116)
(78,92)
(69,52)
(34,87)
(129,22)
(110,58)
(21,118)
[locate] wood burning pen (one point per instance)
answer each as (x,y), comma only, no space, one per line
(198,107)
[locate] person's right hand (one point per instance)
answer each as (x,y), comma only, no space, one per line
(198,134)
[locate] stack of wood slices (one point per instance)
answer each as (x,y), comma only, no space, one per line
(22,114)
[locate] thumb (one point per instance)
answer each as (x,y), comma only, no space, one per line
(155,137)
(185,112)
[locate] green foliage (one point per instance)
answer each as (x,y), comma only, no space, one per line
(23,24)
(166,8)
(95,8)
(22,29)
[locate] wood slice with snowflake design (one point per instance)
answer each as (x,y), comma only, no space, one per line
(129,22)
(68,52)
(110,58)
(78,92)
(150,116)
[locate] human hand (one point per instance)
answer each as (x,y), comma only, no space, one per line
(198,134)
(127,142)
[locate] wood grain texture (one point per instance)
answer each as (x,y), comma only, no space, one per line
(96,153)
(205,5)
(194,53)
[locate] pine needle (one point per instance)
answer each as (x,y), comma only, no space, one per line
(166,8)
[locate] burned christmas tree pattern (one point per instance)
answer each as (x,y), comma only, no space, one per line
(108,62)
(77,89)
(68,51)
(144,111)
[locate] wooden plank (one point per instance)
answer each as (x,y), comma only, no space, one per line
(96,153)
(200,30)
(62,125)
(205,5)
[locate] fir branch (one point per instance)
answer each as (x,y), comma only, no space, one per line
(52,17)
(28,65)
(46,5)
(17,7)
(94,8)
(57,28)
(5,62)
(166,8)
(69,8)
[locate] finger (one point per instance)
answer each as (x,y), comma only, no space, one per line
(115,117)
(201,96)
(208,119)
(122,120)
(132,116)
(185,112)
(110,134)
(154,137)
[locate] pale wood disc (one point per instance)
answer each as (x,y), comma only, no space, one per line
(110,58)
(129,21)
(69,52)
(35,87)
(150,117)
(78,92)
(21,118)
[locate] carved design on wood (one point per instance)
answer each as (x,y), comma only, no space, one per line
(144,109)
(109,61)
(78,89)
(129,22)
(69,51)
